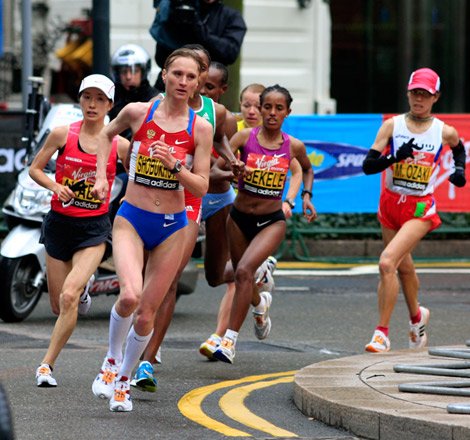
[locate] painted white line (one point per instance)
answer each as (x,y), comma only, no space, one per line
(361,270)
(326,351)
(292,289)
(443,270)
(314,272)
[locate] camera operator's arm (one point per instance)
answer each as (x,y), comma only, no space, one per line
(221,33)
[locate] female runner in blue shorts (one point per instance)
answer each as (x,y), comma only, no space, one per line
(170,151)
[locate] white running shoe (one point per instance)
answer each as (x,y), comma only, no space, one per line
(379,343)
(262,324)
(418,337)
(225,351)
(208,347)
(267,283)
(103,385)
(44,376)
(85,299)
(121,398)
(264,274)
(272,263)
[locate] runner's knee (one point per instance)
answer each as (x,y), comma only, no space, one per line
(386,264)
(128,300)
(243,274)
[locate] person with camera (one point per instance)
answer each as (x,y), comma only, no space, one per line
(217,27)
(408,148)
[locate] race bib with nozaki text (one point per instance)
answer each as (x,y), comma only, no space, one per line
(414,173)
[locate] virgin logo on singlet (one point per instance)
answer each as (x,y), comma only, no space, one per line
(81,174)
(145,168)
(270,163)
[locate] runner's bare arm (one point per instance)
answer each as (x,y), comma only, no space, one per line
(56,140)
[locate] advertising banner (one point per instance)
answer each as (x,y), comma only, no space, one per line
(11,150)
(337,146)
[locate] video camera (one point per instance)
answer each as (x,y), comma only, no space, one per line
(183,11)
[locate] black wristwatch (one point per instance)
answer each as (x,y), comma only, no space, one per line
(177,168)
(290,202)
(306,191)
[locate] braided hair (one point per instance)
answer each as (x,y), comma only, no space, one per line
(279,89)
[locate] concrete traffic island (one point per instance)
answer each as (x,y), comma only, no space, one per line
(360,394)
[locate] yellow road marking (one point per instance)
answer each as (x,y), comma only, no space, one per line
(232,404)
(331,265)
(190,405)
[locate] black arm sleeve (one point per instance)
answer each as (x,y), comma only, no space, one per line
(375,163)
(458,153)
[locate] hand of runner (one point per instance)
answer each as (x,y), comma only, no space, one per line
(405,151)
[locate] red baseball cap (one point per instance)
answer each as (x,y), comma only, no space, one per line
(425,79)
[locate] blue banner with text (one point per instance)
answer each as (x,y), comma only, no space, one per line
(337,146)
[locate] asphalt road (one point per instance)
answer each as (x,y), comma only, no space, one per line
(316,316)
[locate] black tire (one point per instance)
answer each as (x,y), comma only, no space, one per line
(6,420)
(19,295)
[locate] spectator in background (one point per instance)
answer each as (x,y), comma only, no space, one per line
(218,28)
(130,66)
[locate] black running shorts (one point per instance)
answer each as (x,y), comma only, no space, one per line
(62,235)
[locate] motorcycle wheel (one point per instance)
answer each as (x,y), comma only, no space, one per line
(20,293)
(6,419)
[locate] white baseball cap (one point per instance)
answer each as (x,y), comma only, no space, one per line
(99,82)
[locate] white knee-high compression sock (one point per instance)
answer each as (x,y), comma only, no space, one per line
(135,346)
(118,330)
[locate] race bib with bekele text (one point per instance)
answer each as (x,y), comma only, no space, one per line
(268,175)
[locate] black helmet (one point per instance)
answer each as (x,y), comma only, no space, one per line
(130,55)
